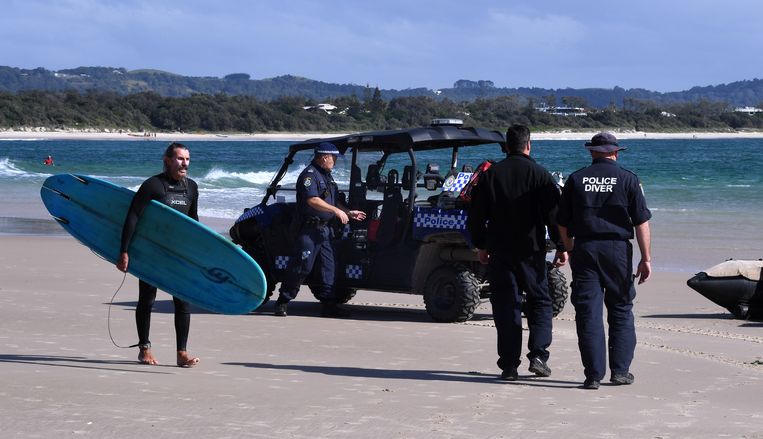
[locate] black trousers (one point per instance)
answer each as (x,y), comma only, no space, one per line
(146,298)
(602,276)
(313,250)
(509,277)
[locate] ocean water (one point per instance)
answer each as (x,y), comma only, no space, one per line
(705,194)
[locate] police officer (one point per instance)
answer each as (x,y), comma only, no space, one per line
(317,205)
(600,207)
(511,206)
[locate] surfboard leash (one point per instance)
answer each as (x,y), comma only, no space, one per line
(111,302)
(108,319)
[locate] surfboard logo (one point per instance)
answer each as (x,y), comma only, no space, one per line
(218,275)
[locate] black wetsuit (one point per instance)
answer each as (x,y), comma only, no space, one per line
(182,196)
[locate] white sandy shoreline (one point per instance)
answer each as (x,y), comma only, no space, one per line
(387,372)
(39,134)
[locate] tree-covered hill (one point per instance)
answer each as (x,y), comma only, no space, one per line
(150,111)
(124,82)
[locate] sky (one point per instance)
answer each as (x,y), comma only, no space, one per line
(659,45)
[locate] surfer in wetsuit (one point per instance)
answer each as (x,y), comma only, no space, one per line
(48,161)
(173,188)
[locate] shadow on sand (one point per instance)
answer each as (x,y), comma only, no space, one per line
(77,362)
(313,309)
(408,374)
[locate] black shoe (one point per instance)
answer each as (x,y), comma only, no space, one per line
(591,384)
(621,379)
(509,375)
(539,367)
(280,310)
(329,309)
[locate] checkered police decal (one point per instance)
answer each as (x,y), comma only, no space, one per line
(457,183)
(282,262)
(354,271)
(440,219)
(254,211)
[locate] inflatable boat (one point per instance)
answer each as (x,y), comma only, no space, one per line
(735,285)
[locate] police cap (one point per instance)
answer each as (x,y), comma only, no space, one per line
(604,142)
(326,148)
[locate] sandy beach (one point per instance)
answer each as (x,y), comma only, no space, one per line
(388,372)
(39,133)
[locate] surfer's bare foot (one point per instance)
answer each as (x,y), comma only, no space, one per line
(146,357)
(186,360)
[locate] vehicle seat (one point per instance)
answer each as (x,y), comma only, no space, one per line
(358,190)
(393,201)
(374,181)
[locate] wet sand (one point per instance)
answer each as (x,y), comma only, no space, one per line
(388,372)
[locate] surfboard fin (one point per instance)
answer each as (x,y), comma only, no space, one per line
(57,192)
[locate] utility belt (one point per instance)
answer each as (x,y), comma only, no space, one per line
(604,237)
(314,221)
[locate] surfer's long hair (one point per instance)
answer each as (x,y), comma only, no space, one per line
(170,153)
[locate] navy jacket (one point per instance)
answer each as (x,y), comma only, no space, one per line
(602,201)
(315,181)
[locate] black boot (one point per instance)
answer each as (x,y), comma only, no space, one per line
(331,309)
(280,309)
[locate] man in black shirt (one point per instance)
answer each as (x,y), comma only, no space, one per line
(601,204)
(511,206)
(176,190)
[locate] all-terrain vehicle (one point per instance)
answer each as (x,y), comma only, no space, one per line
(414,239)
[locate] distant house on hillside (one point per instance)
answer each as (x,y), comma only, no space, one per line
(748,110)
(562,111)
(328,108)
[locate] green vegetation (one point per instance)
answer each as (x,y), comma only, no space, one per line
(149,111)
(122,81)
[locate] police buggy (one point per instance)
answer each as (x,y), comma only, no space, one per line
(414,239)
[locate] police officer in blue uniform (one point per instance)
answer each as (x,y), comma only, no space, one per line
(317,205)
(600,207)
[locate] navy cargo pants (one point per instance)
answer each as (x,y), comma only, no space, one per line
(508,277)
(312,247)
(602,274)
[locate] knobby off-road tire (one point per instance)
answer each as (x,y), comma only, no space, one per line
(557,288)
(257,252)
(451,293)
(343,294)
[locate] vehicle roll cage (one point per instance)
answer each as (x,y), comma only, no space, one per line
(392,142)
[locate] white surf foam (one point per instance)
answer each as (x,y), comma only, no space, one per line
(9,169)
(217,175)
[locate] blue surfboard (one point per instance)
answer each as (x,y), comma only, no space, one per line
(169,250)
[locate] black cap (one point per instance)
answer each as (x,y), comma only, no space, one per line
(604,142)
